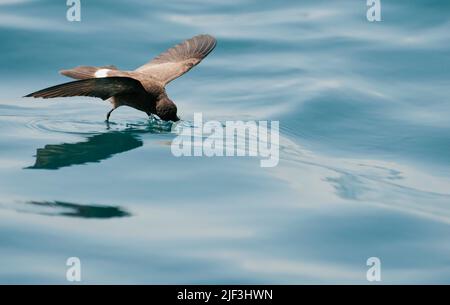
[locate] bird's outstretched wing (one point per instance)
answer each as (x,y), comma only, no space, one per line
(103,88)
(84,72)
(179,59)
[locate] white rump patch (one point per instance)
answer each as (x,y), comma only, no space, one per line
(101,73)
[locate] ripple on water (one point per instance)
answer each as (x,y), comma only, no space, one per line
(92,127)
(65,126)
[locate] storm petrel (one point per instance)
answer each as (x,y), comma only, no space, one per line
(143,88)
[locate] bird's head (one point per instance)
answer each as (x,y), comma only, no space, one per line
(166,110)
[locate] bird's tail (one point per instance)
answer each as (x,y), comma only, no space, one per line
(84,72)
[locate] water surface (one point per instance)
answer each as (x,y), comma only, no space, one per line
(364,153)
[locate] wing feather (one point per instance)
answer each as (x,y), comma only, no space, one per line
(103,88)
(179,59)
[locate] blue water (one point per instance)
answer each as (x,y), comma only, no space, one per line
(364,152)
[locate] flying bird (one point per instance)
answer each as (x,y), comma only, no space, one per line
(143,88)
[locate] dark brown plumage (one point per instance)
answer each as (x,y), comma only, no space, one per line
(142,89)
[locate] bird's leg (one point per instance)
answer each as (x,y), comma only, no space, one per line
(109,114)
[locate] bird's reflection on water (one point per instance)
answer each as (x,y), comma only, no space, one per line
(59,208)
(96,147)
